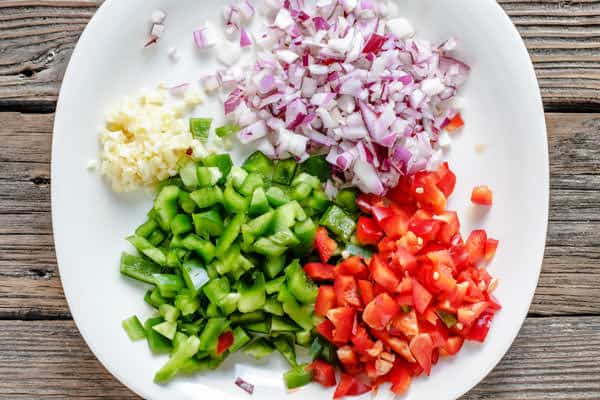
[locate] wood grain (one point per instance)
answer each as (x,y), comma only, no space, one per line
(30,286)
(37,38)
(553,358)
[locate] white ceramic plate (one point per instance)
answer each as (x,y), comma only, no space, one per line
(503,112)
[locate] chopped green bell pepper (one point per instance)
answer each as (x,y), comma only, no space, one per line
(186,203)
(259,204)
(134,329)
(158,343)
(187,302)
(181,224)
(165,205)
(211,332)
(216,289)
(231,232)
(272,306)
(194,274)
(138,268)
(166,328)
(252,182)
(286,348)
(208,223)
(305,231)
(221,161)
(208,176)
(252,297)
(240,338)
(184,352)
(303,289)
(316,166)
(168,312)
(147,249)
(297,376)
(273,286)
(204,248)
(234,202)
(276,196)
(146,229)
(279,324)
(258,348)
(200,128)
(187,172)
(258,162)
(226,130)
(346,199)
(338,222)
(207,197)
(302,315)
(168,284)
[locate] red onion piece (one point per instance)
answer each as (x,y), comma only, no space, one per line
(245,386)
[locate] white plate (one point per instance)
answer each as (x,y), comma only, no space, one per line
(503,111)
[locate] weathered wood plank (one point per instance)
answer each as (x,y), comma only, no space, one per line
(30,286)
(37,38)
(553,358)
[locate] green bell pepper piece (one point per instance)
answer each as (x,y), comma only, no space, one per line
(138,268)
(300,192)
(284,171)
(247,318)
(272,306)
(228,304)
(193,366)
(208,223)
(276,196)
(156,237)
(221,161)
(338,222)
(156,298)
(274,285)
(302,288)
(236,177)
(146,229)
(168,312)
(279,324)
(240,338)
(194,274)
(259,226)
(317,202)
(252,297)
(298,376)
(200,128)
(208,176)
(302,315)
(447,318)
(226,130)
(231,232)
(165,205)
(354,250)
(258,162)
(134,329)
(266,247)
(186,203)
(286,348)
(316,166)
(168,284)
(211,332)
(259,204)
(305,231)
(207,196)
(187,302)
(204,248)
(158,343)
(263,327)
(178,340)
(252,182)
(304,178)
(284,237)
(166,328)
(346,199)
(147,249)
(234,202)
(184,352)
(181,224)
(216,289)
(258,348)
(187,172)
(213,311)
(304,338)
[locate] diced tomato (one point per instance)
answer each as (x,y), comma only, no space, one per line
(225,341)
(346,291)
(406,324)
(490,249)
(452,346)
(467,314)
(319,271)
(353,266)
(481,327)
(382,274)
(482,195)
(380,311)
(347,356)
(475,246)
(350,386)
(323,373)
(421,346)
(368,231)
(325,329)
(395,226)
(449,228)
(421,296)
(455,123)
(326,246)
(400,378)
(446,179)
(326,300)
(342,319)
(365,288)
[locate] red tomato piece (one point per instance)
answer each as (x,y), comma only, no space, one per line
(446,179)
(475,246)
(346,291)
(400,378)
(382,274)
(490,249)
(405,324)
(353,266)
(326,246)
(319,271)
(380,311)
(482,195)
(365,288)
(396,225)
(225,341)
(323,373)
(455,123)
(368,231)
(350,386)
(421,347)
(421,297)
(481,327)
(325,329)
(342,319)
(326,300)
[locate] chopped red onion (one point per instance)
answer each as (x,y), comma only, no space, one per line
(245,40)
(245,386)
(205,37)
(340,74)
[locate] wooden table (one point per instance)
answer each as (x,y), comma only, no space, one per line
(557,354)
